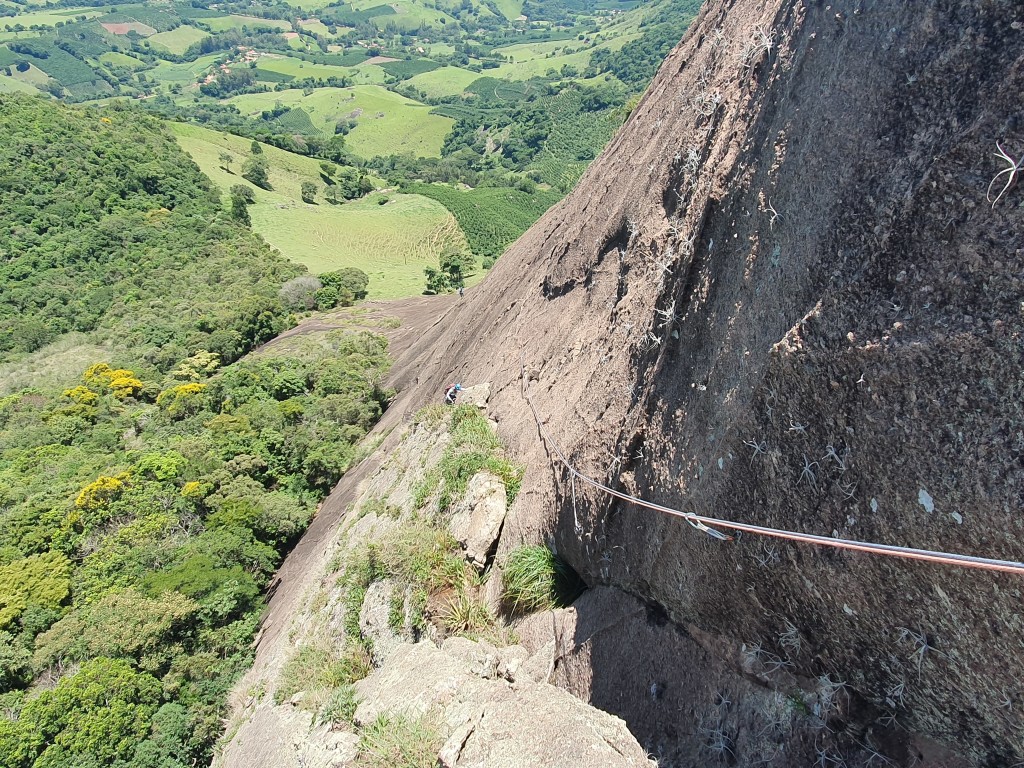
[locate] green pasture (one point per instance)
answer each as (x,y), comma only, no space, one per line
(178,40)
(14,85)
(533,59)
(315,25)
(386,123)
(24,35)
(121,60)
(392,243)
(49,18)
(511,9)
(297,68)
(185,72)
(446,81)
(235,21)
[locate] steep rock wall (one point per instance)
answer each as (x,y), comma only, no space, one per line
(788,246)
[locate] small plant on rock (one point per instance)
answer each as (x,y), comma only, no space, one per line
(536,579)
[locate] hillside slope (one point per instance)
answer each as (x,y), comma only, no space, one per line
(787,294)
(789,246)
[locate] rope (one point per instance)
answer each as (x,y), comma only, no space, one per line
(709,525)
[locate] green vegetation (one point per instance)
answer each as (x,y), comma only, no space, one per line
(323,675)
(491,217)
(536,579)
(178,40)
(122,238)
(145,506)
(152,475)
(384,123)
(396,741)
(391,243)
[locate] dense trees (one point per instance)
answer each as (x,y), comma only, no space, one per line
(107,226)
(145,506)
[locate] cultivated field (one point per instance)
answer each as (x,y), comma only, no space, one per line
(178,40)
(386,123)
(446,81)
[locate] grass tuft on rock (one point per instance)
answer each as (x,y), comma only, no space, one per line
(536,579)
(396,741)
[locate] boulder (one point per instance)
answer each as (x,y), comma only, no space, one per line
(478,518)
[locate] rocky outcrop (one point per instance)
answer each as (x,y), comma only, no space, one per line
(787,295)
(487,706)
(498,716)
(477,520)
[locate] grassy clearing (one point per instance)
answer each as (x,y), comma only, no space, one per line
(386,123)
(392,243)
(510,9)
(315,25)
(121,60)
(24,35)
(536,579)
(55,366)
(525,68)
(297,68)
(178,40)
(32,76)
(447,81)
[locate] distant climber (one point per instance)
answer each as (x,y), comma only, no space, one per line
(451,393)
(462,291)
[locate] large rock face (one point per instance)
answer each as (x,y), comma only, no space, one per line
(789,293)
(783,296)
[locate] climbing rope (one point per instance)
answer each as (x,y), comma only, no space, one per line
(710,525)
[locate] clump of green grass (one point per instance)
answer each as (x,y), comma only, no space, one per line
(377,506)
(463,615)
(318,670)
(430,416)
(363,567)
(396,741)
(340,707)
(536,579)
(473,448)
(425,489)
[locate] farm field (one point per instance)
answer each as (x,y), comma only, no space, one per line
(392,243)
(315,25)
(529,63)
(24,35)
(121,60)
(51,17)
(297,68)
(178,40)
(386,123)
(186,72)
(12,85)
(446,81)
(234,21)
